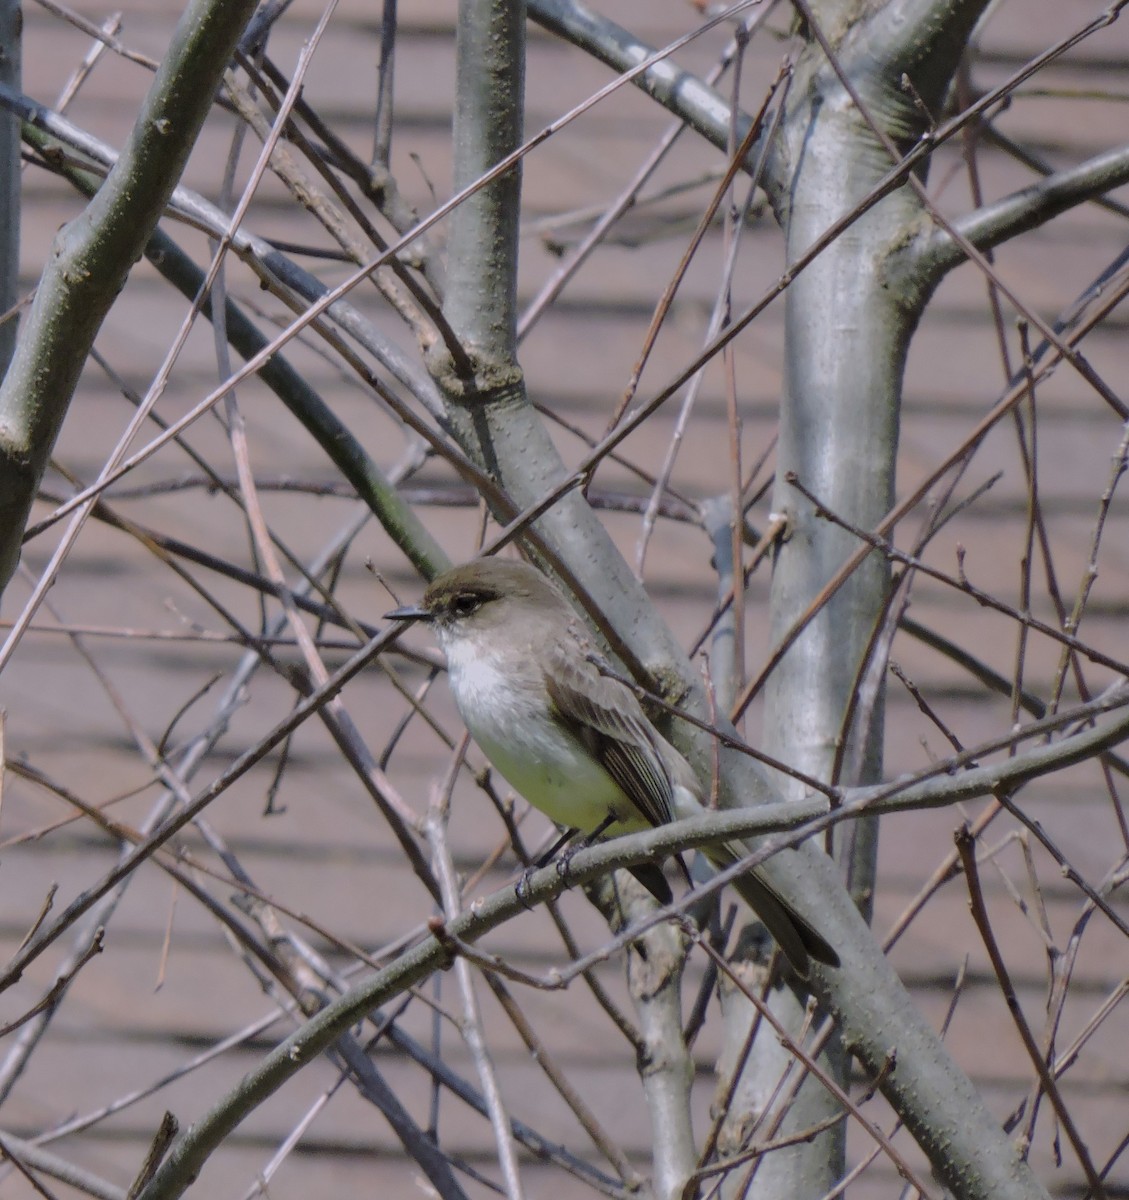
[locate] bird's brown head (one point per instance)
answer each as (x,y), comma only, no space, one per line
(482,594)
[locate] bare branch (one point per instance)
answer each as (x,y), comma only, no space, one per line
(95,253)
(696,103)
(16,1149)
(1007,218)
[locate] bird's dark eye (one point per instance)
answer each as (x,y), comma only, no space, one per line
(466,604)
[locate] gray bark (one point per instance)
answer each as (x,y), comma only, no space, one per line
(95,252)
(11,23)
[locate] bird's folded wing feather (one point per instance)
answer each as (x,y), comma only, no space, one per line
(607,718)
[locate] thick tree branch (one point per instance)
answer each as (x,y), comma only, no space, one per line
(94,254)
(686,96)
(920,40)
(937,251)
(11,23)
(488,123)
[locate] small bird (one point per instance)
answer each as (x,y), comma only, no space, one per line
(572,740)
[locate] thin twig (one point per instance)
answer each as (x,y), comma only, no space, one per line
(965,846)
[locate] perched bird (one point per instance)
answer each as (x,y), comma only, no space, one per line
(573,741)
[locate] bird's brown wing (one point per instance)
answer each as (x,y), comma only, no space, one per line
(608,720)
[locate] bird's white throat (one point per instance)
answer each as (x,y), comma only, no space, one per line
(511,721)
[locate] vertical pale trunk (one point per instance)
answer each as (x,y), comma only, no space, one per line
(11,22)
(845,347)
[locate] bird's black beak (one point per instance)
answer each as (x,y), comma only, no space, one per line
(408,612)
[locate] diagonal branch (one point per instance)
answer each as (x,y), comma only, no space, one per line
(703,108)
(1020,212)
(94,254)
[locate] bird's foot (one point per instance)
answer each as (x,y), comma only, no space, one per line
(522,887)
(564,859)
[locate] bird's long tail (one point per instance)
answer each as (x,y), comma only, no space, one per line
(795,936)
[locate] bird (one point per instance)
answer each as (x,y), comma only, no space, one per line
(568,736)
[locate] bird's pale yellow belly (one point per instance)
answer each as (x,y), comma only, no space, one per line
(537,756)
